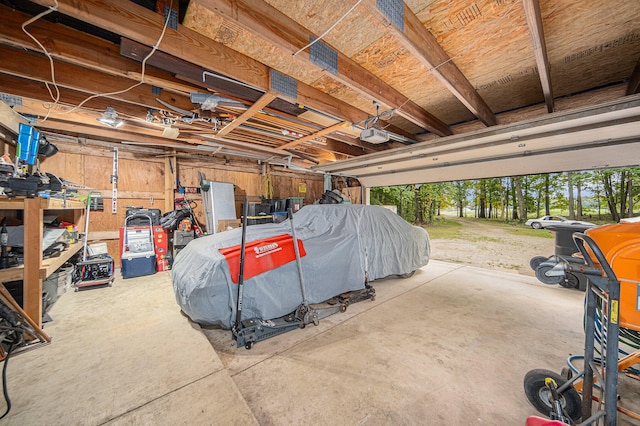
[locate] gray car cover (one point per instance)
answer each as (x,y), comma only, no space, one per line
(342,242)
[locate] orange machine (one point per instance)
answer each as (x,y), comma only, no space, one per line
(620,244)
(611,262)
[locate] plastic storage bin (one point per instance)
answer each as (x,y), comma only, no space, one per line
(259,220)
(294,203)
(137,265)
(279,216)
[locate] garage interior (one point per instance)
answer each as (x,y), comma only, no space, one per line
(145,100)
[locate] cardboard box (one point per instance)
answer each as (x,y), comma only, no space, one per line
(353,194)
(226,224)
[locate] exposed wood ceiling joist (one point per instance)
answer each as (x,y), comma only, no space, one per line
(250,112)
(36,67)
(634,81)
(534,20)
(470,65)
(268,23)
(194,74)
(317,134)
(418,40)
(93,53)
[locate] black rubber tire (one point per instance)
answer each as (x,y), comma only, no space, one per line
(407,275)
(538,394)
(570,281)
(540,275)
(536,261)
(536,225)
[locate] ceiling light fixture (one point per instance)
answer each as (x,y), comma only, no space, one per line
(110,118)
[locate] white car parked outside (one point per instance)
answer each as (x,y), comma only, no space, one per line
(545,221)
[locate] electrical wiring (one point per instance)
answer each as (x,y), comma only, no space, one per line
(329,29)
(55,98)
(4,381)
(142,73)
(13,336)
(97,95)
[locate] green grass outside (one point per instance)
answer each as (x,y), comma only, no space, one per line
(449,228)
(530,232)
(444,229)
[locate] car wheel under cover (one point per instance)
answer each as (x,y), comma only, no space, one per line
(407,275)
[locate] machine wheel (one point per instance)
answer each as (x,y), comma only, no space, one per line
(343,307)
(570,281)
(248,345)
(543,278)
(407,275)
(536,225)
(536,261)
(539,395)
(540,275)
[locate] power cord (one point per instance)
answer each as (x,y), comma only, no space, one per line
(56,98)
(11,334)
(4,380)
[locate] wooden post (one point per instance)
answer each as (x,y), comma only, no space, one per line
(170,172)
(32,284)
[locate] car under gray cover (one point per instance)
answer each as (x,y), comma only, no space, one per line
(341,242)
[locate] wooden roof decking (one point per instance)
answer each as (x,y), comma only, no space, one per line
(456,67)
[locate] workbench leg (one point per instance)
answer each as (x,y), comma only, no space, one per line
(32,284)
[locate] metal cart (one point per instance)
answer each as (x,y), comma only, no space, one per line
(556,395)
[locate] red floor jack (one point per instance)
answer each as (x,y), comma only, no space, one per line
(247,332)
(96,270)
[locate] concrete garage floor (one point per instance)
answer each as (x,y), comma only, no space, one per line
(448,346)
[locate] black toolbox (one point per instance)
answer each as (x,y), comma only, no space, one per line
(137,216)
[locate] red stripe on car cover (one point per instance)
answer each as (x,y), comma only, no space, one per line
(261,256)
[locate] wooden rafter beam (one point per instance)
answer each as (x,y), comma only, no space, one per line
(94,53)
(319,133)
(37,67)
(9,119)
(35,90)
(424,46)
(339,147)
(267,22)
(85,119)
(147,137)
(634,81)
(248,114)
(97,55)
(311,97)
(144,26)
(534,20)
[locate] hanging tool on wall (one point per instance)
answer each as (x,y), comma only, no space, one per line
(114,183)
(267,183)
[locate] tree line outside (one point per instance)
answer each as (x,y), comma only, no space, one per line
(602,195)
